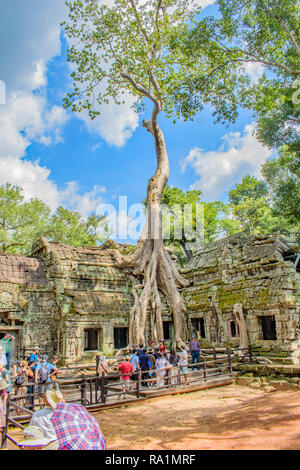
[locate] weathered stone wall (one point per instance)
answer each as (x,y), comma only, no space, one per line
(59,295)
(27,306)
(251,272)
(90,293)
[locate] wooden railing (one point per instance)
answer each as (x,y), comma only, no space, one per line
(97,391)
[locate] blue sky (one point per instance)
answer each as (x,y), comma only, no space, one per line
(65,159)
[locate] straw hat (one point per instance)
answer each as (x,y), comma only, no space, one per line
(3,384)
(34,437)
(53,397)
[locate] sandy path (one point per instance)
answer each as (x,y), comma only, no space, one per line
(231,417)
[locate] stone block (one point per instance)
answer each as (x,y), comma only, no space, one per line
(283,385)
(269,389)
(254,385)
(246,381)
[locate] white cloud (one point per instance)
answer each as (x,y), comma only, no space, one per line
(218,170)
(116,123)
(254,70)
(30,37)
(205,3)
(31,33)
(25,118)
(36,183)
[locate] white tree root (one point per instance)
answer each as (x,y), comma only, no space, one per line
(153,264)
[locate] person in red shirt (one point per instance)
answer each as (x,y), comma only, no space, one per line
(125,371)
(162,347)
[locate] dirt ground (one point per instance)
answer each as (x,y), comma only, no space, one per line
(231,417)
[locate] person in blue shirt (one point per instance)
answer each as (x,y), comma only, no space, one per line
(43,373)
(145,366)
(134,360)
(34,358)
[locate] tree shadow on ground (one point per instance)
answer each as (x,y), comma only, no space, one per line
(140,425)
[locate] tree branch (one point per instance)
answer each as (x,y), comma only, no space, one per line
(288,32)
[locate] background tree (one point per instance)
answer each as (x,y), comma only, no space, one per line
(183,208)
(217,54)
(119,50)
(20,222)
(69,227)
(264,206)
(282,176)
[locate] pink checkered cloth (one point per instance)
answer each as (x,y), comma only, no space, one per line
(76,429)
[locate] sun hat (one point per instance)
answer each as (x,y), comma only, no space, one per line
(36,347)
(3,384)
(53,397)
(34,437)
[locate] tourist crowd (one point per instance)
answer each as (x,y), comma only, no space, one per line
(156,366)
(151,367)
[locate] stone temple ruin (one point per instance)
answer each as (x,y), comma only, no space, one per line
(75,302)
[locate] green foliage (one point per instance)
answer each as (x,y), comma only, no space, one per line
(250,187)
(184,215)
(283,178)
(121,49)
(266,206)
(21,223)
(217,53)
(69,227)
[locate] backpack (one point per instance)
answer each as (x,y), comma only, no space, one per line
(44,372)
(20,379)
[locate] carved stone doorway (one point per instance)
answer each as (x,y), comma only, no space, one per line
(15,346)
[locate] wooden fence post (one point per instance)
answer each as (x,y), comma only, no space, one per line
(204,368)
(215,358)
(229,361)
(138,384)
(4,430)
(97,380)
(83,390)
(97,365)
(102,385)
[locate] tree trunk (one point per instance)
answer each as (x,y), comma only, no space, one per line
(240,319)
(152,262)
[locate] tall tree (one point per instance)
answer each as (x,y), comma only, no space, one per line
(124,49)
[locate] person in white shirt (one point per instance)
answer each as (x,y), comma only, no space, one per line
(183,363)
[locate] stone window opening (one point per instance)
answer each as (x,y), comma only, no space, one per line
(198,326)
(268,327)
(167,326)
(92,339)
(120,337)
(233,329)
